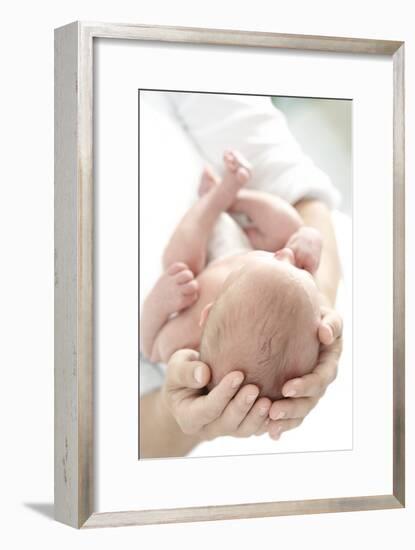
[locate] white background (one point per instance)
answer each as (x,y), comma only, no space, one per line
(26,477)
(123,483)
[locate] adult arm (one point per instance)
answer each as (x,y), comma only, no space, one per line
(160,435)
(302,394)
(181,413)
(316,214)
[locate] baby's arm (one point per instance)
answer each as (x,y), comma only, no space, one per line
(276,224)
(273,220)
(174,291)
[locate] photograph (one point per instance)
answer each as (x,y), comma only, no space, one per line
(245,274)
(206,286)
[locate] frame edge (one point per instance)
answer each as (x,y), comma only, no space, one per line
(234,37)
(73,402)
(65,199)
(241,511)
(74,274)
(399,274)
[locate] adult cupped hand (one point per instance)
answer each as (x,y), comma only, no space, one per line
(302,394)
(227,409)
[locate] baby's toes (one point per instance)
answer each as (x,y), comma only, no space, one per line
(235,161)
(243,174)
(230,161)
(207,181)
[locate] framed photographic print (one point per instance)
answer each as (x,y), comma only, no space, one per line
(229,274)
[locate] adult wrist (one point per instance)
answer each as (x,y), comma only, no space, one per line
(165,416)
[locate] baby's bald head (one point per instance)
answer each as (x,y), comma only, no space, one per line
(264,323)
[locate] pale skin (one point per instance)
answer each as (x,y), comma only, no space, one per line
(189,286)
(183,414)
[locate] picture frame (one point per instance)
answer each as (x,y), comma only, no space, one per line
(74,272)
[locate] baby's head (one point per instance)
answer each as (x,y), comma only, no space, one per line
(264,322)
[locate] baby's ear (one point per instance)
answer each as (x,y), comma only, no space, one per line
(204,314)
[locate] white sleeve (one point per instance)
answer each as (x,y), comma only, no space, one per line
(252,125)
(151,375)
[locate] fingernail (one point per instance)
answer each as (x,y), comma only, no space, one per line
(290,393)
(198,374)
(328,327)
(263,411)
(280,415)
(251,398)
(237,381)
(277,434)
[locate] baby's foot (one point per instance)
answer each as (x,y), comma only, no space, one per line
(207,181)
(176,289)
(237,168)
(223,193)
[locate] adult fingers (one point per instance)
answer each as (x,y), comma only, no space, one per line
(331,326)
(184,370)
(207,408)
(315,383)
(264,428)
(276,428)
(310,385)
(292,408)
(235,412)
(255,419)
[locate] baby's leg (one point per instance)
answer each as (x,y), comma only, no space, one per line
(274,220)
(189,241)
(174,291)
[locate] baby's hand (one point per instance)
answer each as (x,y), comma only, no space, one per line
(306,243)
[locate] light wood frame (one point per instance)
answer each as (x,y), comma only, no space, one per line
(74,275)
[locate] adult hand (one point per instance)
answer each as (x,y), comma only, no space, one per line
(228,409)
(302,394)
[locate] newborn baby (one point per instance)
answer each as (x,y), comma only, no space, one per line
(250,308)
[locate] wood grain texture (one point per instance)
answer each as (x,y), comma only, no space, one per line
(66,280)
(243,38)
(73,277)
(241,511)
(399,276)
(74,237)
